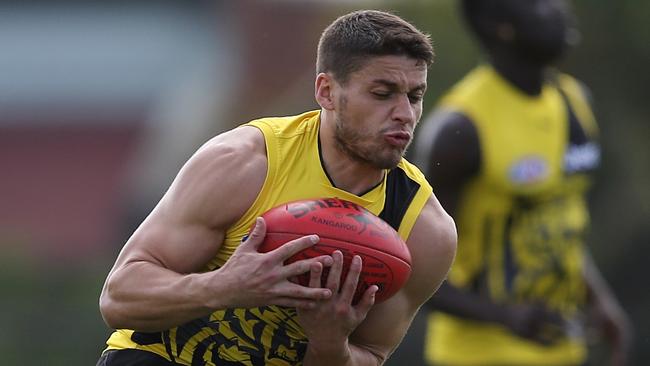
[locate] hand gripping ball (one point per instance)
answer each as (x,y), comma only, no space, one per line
(350,228)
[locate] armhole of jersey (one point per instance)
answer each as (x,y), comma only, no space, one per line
(420,199)
(410,190)
(576,97)
(272,156)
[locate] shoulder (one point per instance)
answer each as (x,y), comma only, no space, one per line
(576,90)
(580,99)
(451,119)
(289,125)
(433,247)
(443,124)
(230,165)
(446,135)
(238,150)
(573,86)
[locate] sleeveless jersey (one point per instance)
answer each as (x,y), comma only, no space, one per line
(521,219)
(271,335)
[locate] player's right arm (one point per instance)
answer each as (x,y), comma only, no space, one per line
(154,284)
(448,151)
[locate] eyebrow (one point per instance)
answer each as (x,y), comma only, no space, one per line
(393,85)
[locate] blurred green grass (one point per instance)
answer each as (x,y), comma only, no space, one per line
(49,313)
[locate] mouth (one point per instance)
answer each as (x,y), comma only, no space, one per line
(398,138)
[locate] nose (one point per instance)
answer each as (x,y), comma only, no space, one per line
(404,110)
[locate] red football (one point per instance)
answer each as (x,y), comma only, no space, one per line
(350,228)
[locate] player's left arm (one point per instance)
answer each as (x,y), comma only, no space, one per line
(432,243)
(608,314)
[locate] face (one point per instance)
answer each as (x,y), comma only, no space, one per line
(543,28)
(378,108)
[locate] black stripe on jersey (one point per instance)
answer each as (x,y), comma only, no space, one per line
(147,338)
(322,163)
(582,153)
(577,135)
(400,191)
(132,357)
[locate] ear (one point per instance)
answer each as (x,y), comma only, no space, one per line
(324,90)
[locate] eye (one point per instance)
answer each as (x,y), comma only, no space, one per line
(381,94)
(415,98)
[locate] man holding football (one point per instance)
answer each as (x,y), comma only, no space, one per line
(186,290)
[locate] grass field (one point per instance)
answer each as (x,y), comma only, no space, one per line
(49,314)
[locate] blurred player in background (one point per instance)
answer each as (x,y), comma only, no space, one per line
(189,286)
(509,152)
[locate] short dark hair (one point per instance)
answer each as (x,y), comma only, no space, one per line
(345,44)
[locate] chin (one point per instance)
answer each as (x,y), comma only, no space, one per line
(388,163)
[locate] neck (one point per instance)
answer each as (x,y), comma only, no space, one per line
(345,173)
(525,76)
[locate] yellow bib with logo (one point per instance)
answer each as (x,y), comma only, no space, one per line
(521,220)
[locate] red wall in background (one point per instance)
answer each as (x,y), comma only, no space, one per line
(60,187)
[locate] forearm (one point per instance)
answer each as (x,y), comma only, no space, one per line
(458,302)
(147,297)
(600,295)
(344,355)
(605,307)
(598,289)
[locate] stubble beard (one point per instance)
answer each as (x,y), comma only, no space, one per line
(346,138)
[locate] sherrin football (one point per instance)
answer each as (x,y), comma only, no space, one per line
(350,228)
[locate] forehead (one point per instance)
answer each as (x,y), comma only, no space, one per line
(404,71)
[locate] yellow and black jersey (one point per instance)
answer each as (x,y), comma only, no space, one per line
(521,218)
(271,335)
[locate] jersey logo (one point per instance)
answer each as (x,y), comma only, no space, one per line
(528,170)
(581,158)
(362,219)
